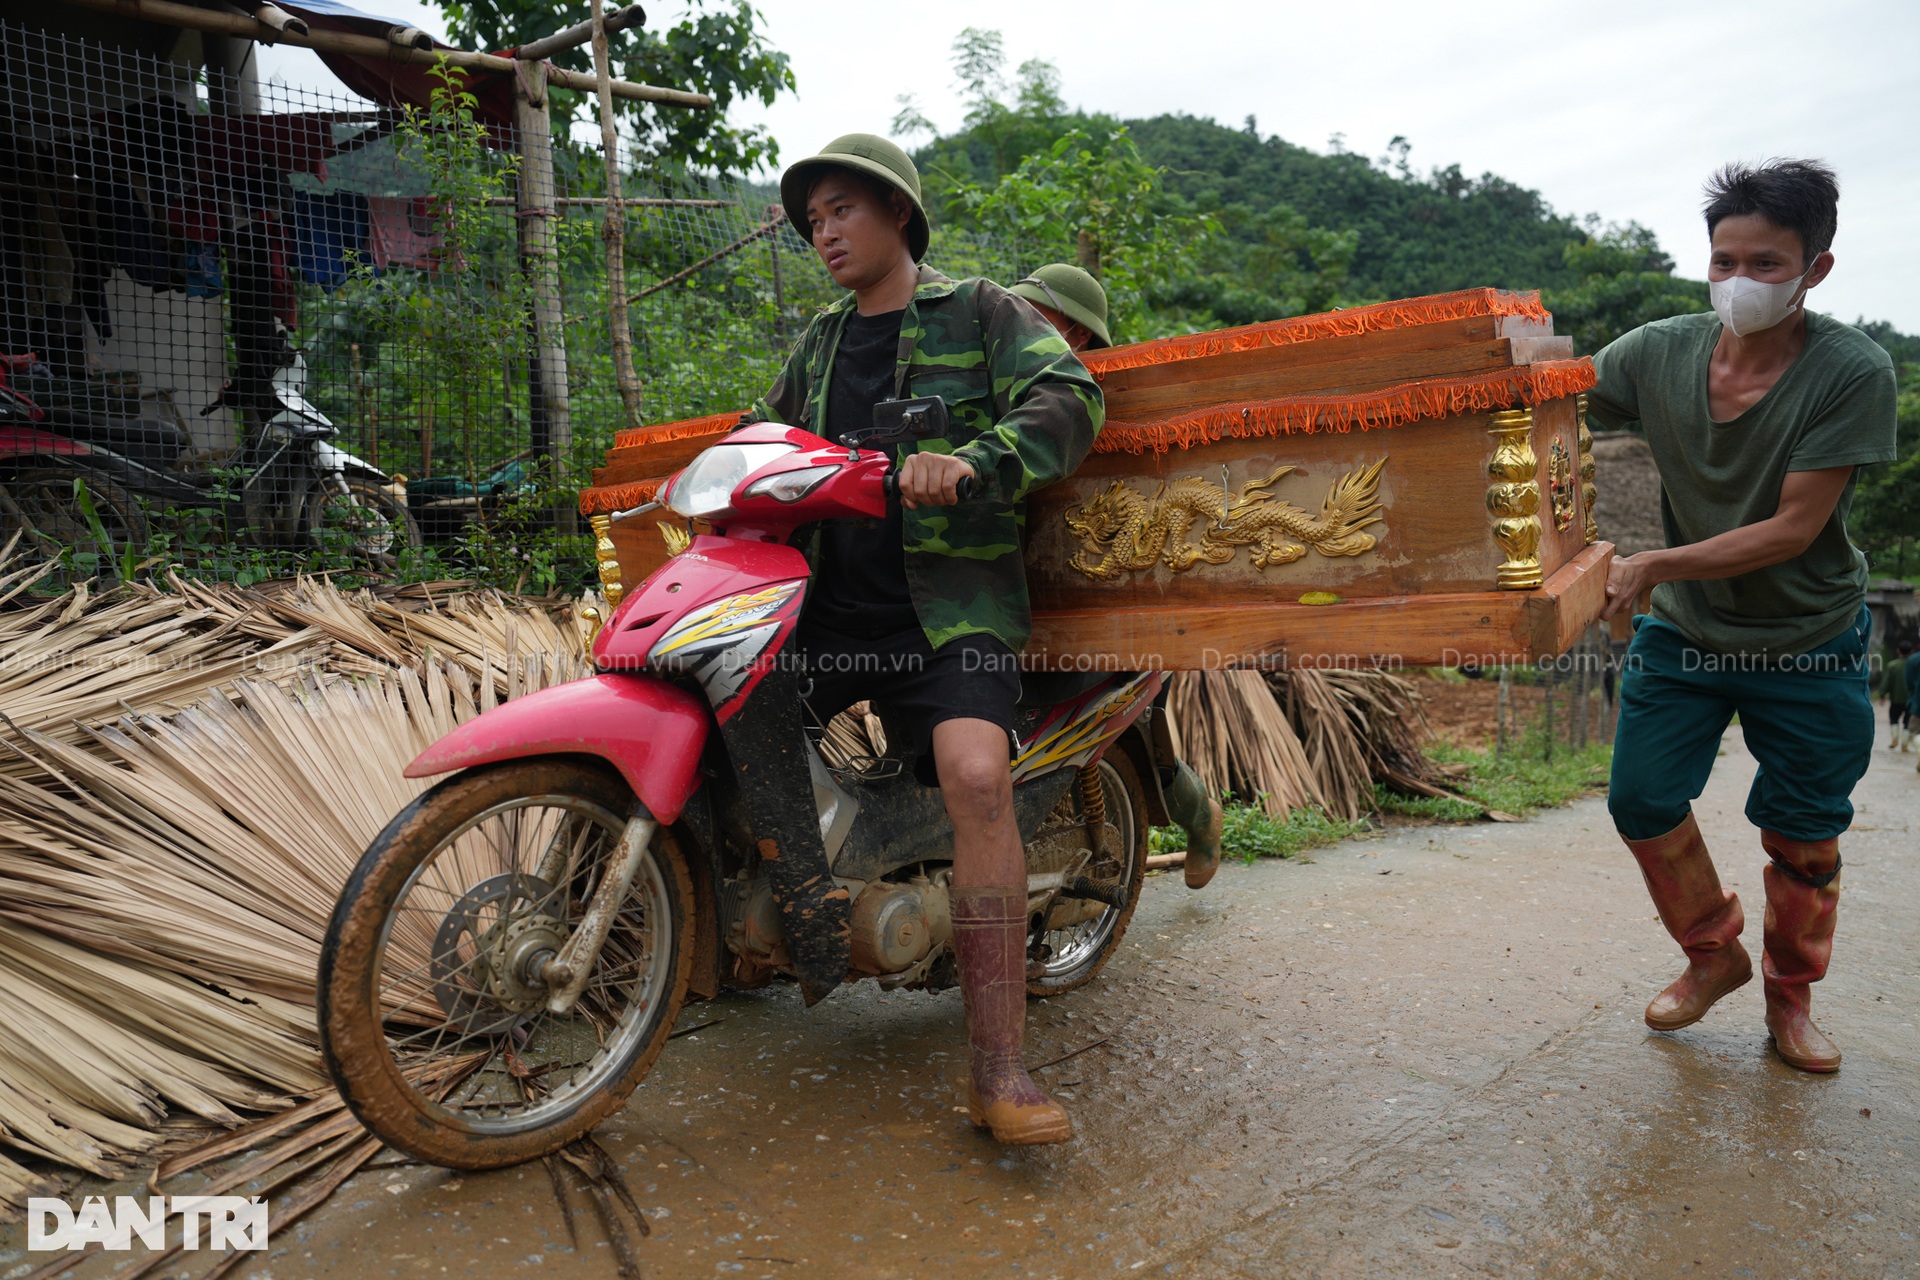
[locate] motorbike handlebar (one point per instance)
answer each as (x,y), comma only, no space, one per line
(963,490)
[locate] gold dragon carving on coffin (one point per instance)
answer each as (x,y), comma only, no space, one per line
(1125,531)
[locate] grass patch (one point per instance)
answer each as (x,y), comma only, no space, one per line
(1247,833)
(1519,783)
(1433,808)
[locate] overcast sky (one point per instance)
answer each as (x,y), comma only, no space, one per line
(1620,108)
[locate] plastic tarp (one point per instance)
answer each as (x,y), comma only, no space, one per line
(389,81)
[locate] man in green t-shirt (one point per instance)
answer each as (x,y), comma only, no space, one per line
(1757,416)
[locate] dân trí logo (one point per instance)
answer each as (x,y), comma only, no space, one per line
(232,1222)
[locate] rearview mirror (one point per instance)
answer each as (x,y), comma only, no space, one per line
(898,421)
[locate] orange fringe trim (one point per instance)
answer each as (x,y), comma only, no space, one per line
(600,502)
(1392,407)
(712,423)
(1408,312)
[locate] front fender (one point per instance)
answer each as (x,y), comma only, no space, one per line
(652,732)
(329,458)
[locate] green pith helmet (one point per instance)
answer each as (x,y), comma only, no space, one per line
(864,153)
(1071,291)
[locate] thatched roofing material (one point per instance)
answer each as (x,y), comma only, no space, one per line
(186,779)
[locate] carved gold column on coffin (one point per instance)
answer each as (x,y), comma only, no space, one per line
(1513,499)
(606,559)
(1588,491)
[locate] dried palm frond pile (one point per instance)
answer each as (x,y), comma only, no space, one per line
(854,739)
(186,779)
(1228,727)
(85,658)
(1301,739)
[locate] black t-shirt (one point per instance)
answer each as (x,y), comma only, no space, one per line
(861,586)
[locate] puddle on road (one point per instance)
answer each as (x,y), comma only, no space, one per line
(1401,1095)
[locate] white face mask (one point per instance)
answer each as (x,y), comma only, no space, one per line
(1746,305)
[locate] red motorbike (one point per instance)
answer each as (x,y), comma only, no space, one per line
(507,961)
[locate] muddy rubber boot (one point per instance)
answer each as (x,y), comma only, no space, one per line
(1189,805)
(1802,903)
(1703,918)
(990,947)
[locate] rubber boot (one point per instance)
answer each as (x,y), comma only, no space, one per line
(1803,898)
(1199,813)
(1703,918)
(990,947)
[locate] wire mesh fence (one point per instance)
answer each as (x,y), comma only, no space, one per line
(197,264)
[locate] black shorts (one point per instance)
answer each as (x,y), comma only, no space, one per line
(911,686)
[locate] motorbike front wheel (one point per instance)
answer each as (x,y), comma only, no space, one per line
(433,1016)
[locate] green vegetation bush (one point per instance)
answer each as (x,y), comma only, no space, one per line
(1248,832)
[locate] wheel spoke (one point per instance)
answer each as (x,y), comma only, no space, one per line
(458,971)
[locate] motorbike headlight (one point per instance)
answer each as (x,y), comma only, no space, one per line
(706,487)
(791,486)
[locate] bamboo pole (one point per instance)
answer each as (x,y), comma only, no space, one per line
(614,228)
(1546,706)
(578,34)
(1501,707)
(779,293)
(1583,687)
(632,202)
(171,14)
(551,429)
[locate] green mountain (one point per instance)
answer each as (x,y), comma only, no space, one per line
(1414,234)
(1300,231)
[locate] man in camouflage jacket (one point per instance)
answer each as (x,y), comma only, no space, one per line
(1023,412)
(925,611)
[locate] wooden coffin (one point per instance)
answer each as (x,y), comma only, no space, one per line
(1408,483)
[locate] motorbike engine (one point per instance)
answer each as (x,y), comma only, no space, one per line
(896,925)
(750,923)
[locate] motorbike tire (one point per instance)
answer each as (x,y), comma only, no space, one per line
(363,1033)
(30,547)
(1126,804)
(373,522)
(40,505)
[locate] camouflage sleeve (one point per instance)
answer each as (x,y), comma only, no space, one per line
(1047,406)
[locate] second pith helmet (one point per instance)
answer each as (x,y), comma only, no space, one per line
(864,153)
(1071,291)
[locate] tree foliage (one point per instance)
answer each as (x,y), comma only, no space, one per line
(1090,198)
(1886,507)
(1623,281)
(717,48)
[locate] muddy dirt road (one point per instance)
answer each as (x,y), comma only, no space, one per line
(1419,1055)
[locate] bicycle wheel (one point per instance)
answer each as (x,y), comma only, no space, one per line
(433,1016)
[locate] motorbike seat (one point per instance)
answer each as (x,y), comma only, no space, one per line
(152,442)
(1042,689)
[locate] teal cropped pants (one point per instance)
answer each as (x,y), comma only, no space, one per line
(1807,718)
